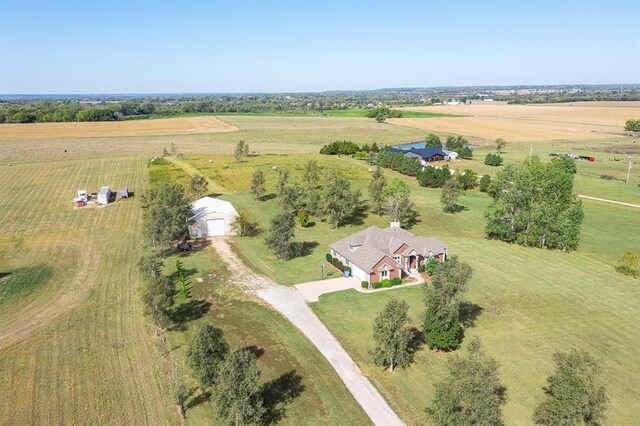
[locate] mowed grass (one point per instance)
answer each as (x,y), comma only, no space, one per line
(78,348)
(532,302)
(300,387)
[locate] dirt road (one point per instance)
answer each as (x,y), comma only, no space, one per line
(290,303)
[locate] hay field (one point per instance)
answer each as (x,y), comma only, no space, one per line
(524,123)
(75,347)
(265,135)
(109,129)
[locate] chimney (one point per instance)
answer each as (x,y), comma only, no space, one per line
(395,224)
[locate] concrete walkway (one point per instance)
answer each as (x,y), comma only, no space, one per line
(604,200)
(291,303)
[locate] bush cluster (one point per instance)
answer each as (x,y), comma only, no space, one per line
(340,148)
(632,125)
(434,177)
(485,181)
(398,162)
(430,267)
(337,263)
(388,283)
(459,145)
(493,159)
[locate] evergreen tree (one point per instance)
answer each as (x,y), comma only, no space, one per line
(485,181)
(281,234)
(257,184)
(166,209)
(471,393)
(392,336)
(238,394)
(207,349)
(575,393)
(242,150)
(443,298)
(283,180)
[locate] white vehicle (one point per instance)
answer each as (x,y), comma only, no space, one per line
(82,195)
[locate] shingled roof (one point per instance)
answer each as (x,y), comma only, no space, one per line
(365,248)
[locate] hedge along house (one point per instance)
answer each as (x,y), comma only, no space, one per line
(211,218)
(375,254)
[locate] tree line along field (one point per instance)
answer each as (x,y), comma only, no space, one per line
(528,303)
(75,347)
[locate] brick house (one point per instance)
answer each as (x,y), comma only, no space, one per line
(375,254)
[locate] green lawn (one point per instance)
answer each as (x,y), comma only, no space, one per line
(21,282)
(532,302)
(288,361)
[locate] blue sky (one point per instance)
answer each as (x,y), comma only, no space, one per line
(278,46)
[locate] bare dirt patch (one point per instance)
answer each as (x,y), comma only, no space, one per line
(576,121)
(157,127)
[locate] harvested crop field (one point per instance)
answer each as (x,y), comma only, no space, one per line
(157,127)
(488,120)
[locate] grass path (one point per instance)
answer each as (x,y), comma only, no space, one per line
(191,170)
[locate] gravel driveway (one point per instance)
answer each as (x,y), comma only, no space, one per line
(290,303)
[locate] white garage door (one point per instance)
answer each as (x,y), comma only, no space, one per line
(215,227)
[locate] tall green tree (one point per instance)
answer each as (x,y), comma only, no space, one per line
(500,144)
(283,180)
(392,336)
(433,141)
(198,186)
(311,175)
(340,203)
(281,234)
(471,392)
(166,210)
(443,298)
(533,205)
(241,151)
(376,189)
(238,394)
(575,392)
(257,184)
(397,204)
(451,192)
(207,349)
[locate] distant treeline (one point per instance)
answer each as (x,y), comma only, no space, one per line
(549,98)
(30,109)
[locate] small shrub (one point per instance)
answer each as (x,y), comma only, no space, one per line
(303,217)
(386,283)
(329,258)
(431,266)
(493,160)
(364,284)
(396,281)
(335,261)
(485,181)
(340,265)
(629,264)
(606,177)
(376,284)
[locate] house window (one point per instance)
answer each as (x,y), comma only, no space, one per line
(397,258)
(384,273)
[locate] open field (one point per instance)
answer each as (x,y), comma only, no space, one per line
(300,386)
(544,122)
(362,113)
(532,302)
(76,348)
(265,135)
(107,129)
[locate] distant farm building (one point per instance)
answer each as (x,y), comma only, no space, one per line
(425,155)
(212,217)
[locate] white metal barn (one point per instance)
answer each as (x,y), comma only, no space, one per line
(211,217)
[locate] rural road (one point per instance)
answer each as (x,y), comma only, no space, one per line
(609,201)
(290,303)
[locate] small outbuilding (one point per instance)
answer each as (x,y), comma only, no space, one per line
(211,217)
(104,195)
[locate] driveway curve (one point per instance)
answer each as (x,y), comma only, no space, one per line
(290,303)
